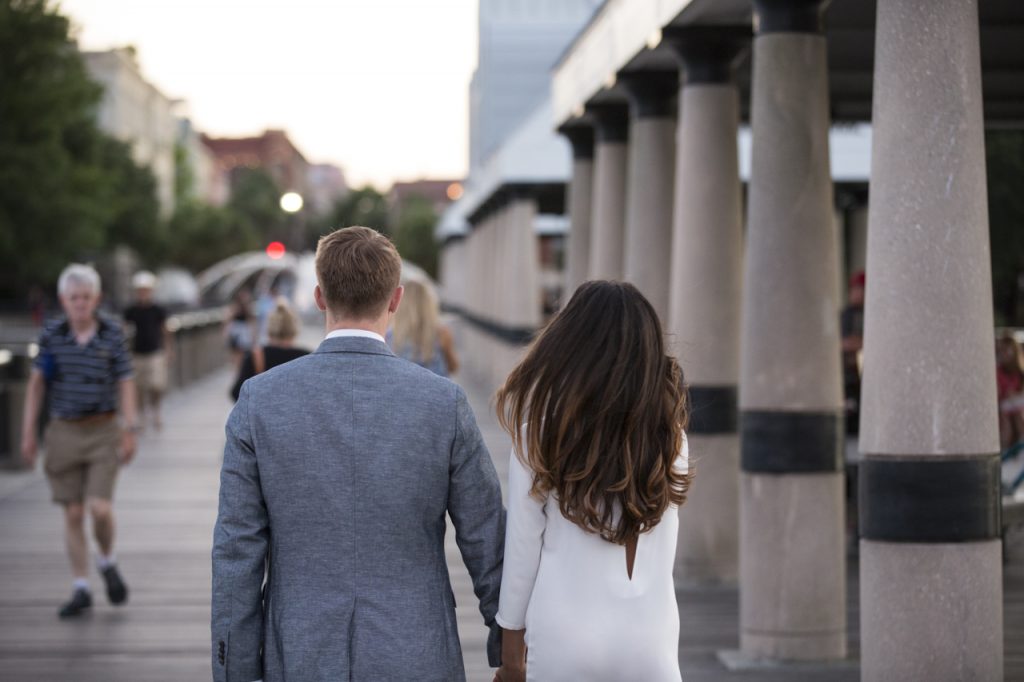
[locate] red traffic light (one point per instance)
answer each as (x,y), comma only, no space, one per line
(275,250)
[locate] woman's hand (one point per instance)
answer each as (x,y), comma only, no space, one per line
(508,674)
(513,657)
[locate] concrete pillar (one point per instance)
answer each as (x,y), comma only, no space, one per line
(579,200)
(520,250)
(931,572)
(649,183)
(704,297)
(792,562)
(608,213)
(454,271)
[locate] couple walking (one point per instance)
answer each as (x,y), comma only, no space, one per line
(340,466)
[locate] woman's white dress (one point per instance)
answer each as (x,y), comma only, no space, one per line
(585,618)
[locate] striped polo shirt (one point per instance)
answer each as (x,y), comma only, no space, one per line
(83,380)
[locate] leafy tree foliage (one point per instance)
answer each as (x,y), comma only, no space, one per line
(365,206)
(414,234)
(66,189)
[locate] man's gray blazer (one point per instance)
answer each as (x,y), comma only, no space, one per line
(338,471)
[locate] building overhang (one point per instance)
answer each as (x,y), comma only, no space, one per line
(628,35)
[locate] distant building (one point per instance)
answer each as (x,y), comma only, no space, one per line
(440,193)
(135,111)
(327,185)
(272,151)
(209,181)
(520,41)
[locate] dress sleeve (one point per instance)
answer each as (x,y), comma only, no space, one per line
(682,462)
(524,537)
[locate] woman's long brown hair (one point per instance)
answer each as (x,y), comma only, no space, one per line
(599,408)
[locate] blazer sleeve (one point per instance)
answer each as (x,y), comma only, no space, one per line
(474,504)
(240,546)
(523,540)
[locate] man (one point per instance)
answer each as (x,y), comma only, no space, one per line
(338,471)
(85,367)
(151,347)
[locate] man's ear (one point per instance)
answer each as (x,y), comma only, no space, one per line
(396,298)
(318,296)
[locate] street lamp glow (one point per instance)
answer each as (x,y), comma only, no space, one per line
(291,202)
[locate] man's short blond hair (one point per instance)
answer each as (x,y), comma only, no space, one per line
(358,270)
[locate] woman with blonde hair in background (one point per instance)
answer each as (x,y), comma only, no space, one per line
(417,333)
(282,329)
(598,471)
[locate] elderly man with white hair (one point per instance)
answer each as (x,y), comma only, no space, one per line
(85,367)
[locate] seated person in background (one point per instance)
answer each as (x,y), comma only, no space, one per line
(1010,383)
(282,328)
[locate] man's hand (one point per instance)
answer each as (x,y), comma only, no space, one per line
(127,451)
(28,448)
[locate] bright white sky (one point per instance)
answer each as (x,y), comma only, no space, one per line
(379,87)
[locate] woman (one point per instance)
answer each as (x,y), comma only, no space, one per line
(282,328)
(599,468)
(418,335)
(240,327)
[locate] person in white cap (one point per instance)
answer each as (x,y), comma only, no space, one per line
(151,346)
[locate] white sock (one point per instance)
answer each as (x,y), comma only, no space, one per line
(81,584)
(105,561)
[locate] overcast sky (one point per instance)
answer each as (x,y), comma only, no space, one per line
(379,87)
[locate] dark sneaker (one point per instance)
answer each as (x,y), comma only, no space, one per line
(80,601)
(117,591)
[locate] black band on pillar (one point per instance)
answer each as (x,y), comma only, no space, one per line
(708,54)
(611,122)
(650,92)
(712,410)
(512,335)
(933,499)
(789,16)
(581,138)
(791,442)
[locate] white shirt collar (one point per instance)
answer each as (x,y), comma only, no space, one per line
(355,332)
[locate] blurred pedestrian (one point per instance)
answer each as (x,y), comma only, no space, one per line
(266,303)
(152,347)
(852,327)
(282,329)
(84,365)
(240,327)
(1010,386)
(419,336)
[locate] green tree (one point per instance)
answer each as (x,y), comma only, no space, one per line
(414,234)
(365,206)
(256,198)
(50,184)
(66,189)
(1004,151)
(135,220)
(201,235)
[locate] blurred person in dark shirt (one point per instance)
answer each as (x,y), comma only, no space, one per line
(151,348)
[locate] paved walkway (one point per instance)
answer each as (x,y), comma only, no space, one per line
(166,505)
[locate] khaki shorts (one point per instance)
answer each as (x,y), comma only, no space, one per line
(151,372)
(82,459)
